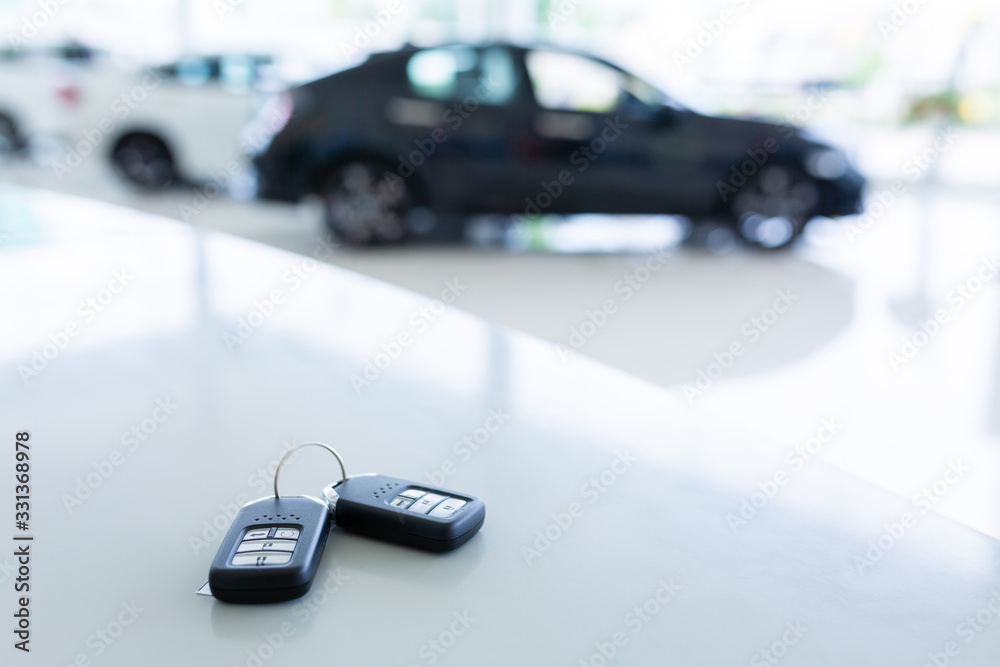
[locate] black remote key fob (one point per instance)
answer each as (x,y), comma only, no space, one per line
(271,551)
(395,510)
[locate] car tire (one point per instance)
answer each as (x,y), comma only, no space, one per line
(712,235)
(771,210)
(145,160)
(363,208)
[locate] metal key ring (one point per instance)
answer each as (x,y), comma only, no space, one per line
(343,473)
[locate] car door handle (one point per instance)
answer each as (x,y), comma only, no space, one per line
(564,125)
(414,113)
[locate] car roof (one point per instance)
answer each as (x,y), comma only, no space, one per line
(409,49)
(388,58)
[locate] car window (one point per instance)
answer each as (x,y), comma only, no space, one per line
(568,82)
(457,73)
(237,72)
(194,72)
(645,93)
(74,53)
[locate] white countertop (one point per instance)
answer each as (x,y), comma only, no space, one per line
(637,493)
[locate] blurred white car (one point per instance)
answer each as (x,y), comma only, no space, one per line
(156,125)
(33,93)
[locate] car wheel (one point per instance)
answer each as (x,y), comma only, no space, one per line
(714,236)
(364,208)
(10,139)
(145,160)
(771,211)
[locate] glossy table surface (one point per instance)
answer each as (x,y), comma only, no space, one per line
(162,372)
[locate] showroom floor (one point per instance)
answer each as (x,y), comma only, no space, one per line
(881,337)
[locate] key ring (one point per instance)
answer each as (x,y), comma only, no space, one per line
(343,473)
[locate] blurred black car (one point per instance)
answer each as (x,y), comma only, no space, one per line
(412,142)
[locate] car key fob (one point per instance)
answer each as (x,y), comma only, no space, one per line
(395,510)
(271,551)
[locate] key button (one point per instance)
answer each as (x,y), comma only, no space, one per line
(260,534)
(286,534)
(413,494)
(447,508)
(266,545)
(402,502)
(260,559)
(426,503)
